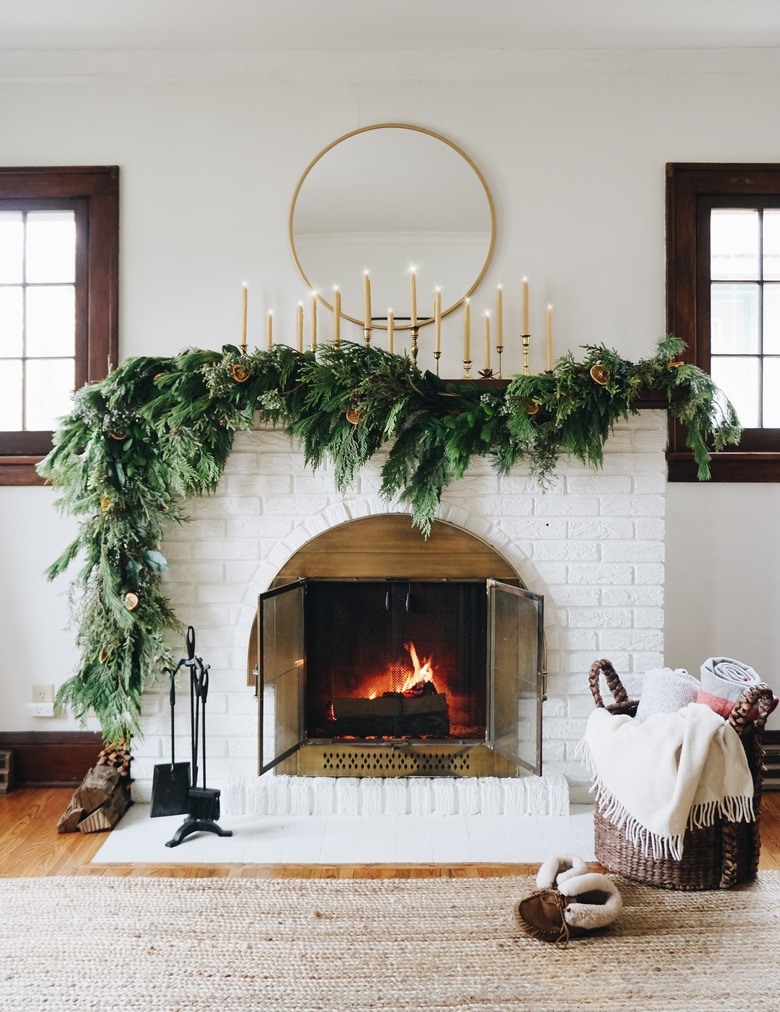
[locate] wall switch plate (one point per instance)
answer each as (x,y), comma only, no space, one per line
(43,693)
(39,709)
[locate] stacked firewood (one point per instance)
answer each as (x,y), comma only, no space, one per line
(103,796)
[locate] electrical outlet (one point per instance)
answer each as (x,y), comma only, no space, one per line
(40,709)
(43,693)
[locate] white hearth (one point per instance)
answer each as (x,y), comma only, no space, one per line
(592,544)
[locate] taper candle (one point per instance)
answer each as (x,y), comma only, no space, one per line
(487,341)
(390,330)
(437,318)
(299,325)
(413,294)
(270,329)
(366,300)
(499,316)
(243,317)
(549,339)
(467,332)
(336,317)
(525,306)
(313,320)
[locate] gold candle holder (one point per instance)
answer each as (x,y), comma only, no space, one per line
(467,368)
(367,335)
(499,350)
(526,338)
(414,330)
(437,356)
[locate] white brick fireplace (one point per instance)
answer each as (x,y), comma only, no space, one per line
(593,545)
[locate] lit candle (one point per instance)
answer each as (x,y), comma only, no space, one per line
(525,306)
(413,286)
(549,339)
(313,320)
(299,326)
(499,317)
(437,318)
(367,299)
(336,317)
(467,332)
(243,318)
(487,341)
(270,329)
(390,330)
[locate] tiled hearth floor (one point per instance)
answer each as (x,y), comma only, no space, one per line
(339,839)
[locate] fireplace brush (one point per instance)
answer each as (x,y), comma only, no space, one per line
(203,802)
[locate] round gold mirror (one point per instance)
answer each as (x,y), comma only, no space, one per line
(388,200)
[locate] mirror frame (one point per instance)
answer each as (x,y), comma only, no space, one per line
(422,321)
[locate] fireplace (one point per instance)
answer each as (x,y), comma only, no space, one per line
(401,676)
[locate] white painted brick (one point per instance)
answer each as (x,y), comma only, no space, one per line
(177,551)
(577,665)
(199,572)
(564,594)
(649,484)
(634,463)
(652,529)
(632,640)
(258,485)
(632,506)
(624,597)
(187,532)
(262,526)
(600,618)
(562,728)
(601,574)
(554,551)
(632,551)
(567,506)
(505,506)
(554,708)
(579,639)
(225,505)
(241,463)
(649,618)
(649,573)
(515,485)
(553,751)
(601,528)
(240,572)
(598,484)
(647,660)
(225,549)
(264,439)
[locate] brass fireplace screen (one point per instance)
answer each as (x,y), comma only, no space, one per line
(437,666)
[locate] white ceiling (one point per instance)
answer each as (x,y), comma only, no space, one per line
(64,32)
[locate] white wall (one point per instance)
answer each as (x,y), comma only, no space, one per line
(575,164)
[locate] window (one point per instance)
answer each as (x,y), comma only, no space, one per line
(723,300)
(59,241)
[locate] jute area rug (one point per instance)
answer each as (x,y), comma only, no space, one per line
(419,944)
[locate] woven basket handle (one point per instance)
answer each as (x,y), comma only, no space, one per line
(604,667)
(758,695)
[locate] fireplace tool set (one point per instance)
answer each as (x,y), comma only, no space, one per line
(173,793)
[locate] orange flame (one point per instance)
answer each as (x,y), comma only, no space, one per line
(422,672)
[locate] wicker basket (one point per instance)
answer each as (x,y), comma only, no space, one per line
(716,857)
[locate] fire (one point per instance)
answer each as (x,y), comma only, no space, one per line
(399,677)
(422,672)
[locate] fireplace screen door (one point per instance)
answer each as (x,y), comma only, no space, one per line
(383,661)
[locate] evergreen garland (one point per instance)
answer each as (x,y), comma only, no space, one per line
(158,431)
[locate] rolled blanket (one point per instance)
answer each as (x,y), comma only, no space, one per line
(674,771)
(726,678)
(665,690)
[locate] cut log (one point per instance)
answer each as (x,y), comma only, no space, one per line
(97,787)
(109,813)
(392,715)
(98,803)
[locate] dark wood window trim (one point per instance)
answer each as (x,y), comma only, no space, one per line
(93,193)
(692,190)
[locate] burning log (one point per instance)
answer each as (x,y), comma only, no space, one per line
(393,715)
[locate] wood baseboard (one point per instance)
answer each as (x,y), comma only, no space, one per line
(51,758)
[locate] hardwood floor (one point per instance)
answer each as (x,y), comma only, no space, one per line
(31,846)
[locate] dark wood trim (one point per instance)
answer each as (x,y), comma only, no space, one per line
(51,758)
(692,190)
(93,192)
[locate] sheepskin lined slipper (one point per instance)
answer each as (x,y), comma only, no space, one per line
(580,904)
(558,869)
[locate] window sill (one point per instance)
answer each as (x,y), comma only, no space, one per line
(20,470)
(727,467)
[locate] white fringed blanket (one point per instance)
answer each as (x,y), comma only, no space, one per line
(676,770)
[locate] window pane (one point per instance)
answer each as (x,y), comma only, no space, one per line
(772,393)
(11,247)
(49,388)
(734,244)
(772,244)
(771,319)
(734,321)
(51,246)
(738,379)
(11,396)
(51,320)
(10,321)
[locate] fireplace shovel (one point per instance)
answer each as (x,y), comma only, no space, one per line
(171,783)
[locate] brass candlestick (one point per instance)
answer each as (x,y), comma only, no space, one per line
(367,335)
(526,342)
(499,349)
(467,368)
(437,356)
(414,330)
